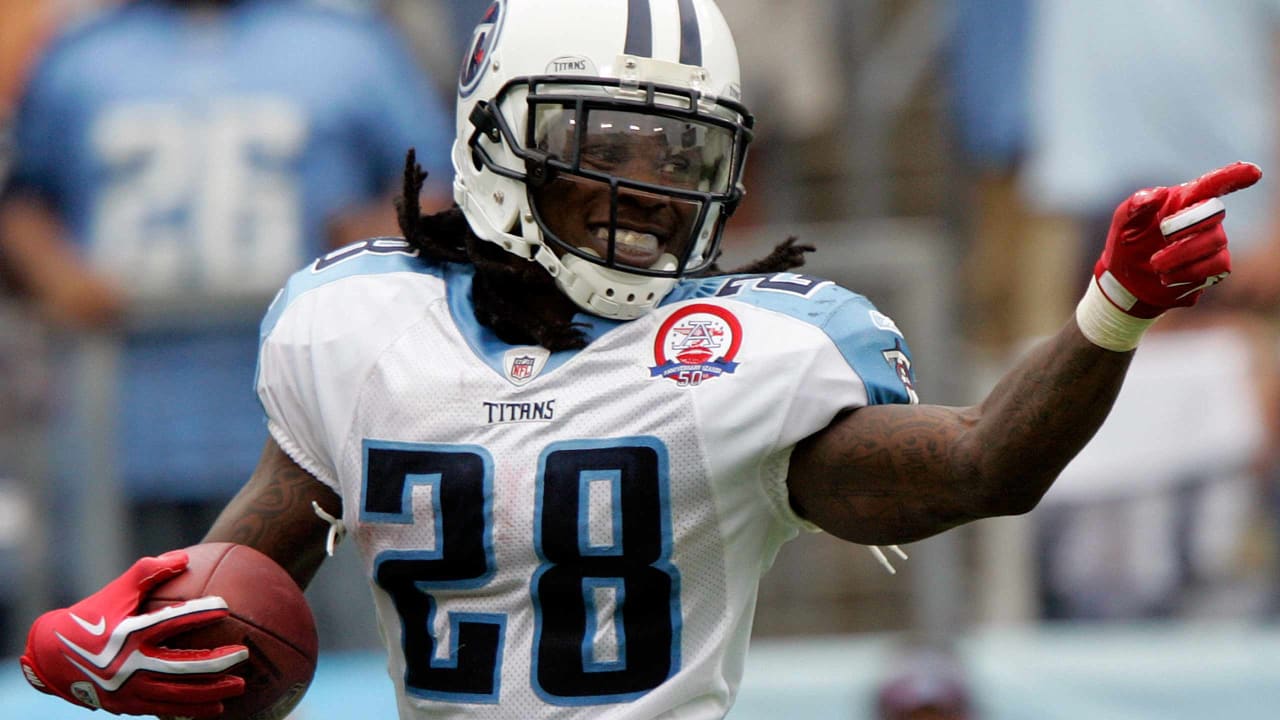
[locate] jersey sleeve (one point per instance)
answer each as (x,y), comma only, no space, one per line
(871,345)
(289,389)
(816,352)
(864,361)
(321,336)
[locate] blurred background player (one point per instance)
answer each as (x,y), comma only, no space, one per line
(192,153)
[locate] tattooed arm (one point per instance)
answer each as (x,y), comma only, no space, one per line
(889,474)
(272,513)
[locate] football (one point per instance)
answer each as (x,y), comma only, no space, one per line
(268,615)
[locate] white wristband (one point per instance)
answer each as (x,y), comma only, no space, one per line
(1106,325)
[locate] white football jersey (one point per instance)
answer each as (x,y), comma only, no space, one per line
(576,534)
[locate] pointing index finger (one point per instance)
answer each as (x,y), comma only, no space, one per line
(1216,183)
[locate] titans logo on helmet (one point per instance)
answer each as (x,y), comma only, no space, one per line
(482,41)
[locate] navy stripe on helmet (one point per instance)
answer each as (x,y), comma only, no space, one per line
(639,29)
(690,35)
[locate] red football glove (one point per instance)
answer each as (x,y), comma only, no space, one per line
(1166,245)
(98,654)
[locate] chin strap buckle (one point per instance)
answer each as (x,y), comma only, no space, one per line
(483,119)
(548,260)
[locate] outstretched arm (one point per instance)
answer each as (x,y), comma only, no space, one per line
(272,513)
(890,474)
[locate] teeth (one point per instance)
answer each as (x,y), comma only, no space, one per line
(630,238)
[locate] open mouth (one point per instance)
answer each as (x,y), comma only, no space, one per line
(631,247)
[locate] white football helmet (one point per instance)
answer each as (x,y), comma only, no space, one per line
(604,140)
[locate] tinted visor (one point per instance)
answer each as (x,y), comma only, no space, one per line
(654,150)
(630,188)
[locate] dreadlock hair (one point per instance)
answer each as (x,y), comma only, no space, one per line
(519,301)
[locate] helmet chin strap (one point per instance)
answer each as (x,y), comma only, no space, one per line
(605,292)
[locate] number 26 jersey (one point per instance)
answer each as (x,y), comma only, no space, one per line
(576,534)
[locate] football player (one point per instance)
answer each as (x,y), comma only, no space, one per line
(566,448)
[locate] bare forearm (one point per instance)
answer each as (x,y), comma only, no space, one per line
(1040,415)
(273,514)
(899,473)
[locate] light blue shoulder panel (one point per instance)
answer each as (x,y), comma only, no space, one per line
(367,257)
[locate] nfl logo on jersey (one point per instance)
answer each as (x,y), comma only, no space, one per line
(523,364)
(522,368)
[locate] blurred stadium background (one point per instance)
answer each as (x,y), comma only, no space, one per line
(902,138)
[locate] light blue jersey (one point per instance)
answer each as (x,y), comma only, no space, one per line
(205,151)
